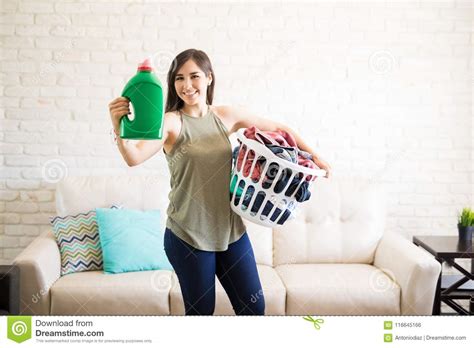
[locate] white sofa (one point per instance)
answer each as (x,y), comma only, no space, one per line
(333,259)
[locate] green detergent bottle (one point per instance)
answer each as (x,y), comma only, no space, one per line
(146,96)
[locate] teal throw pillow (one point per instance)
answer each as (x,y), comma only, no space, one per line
(131,240)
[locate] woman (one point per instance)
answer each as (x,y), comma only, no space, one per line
(203,236)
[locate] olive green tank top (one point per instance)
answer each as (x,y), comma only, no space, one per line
(200,165)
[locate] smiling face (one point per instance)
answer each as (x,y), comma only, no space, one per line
(191,83)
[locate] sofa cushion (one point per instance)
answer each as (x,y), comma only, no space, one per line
(339,289)
(342,223)
(272,287)
(96,293)
(261,238)
(77,237)
(75,194)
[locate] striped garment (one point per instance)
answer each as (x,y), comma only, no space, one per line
(78,240)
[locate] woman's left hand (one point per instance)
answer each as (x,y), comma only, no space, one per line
(322,164)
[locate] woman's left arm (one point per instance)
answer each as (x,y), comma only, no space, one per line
(241,118)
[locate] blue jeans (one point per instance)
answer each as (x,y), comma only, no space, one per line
(235,268)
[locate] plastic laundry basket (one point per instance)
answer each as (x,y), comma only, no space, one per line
(264,187)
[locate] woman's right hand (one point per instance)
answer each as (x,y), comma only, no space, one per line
(118,108)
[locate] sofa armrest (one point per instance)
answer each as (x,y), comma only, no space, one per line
(9,290)
(413,268)
(40,267)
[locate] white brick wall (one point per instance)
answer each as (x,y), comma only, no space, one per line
(382,90)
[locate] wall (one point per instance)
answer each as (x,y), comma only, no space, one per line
(381,90)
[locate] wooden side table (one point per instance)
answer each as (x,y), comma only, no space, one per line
(451,287)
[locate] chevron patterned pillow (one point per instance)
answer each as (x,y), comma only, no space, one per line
(78,241)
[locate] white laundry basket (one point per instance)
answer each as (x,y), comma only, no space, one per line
(278,201)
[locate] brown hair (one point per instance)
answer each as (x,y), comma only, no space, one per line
(173,102)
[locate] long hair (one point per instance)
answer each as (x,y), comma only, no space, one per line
(173,102)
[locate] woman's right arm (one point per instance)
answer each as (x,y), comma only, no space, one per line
(134,153)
